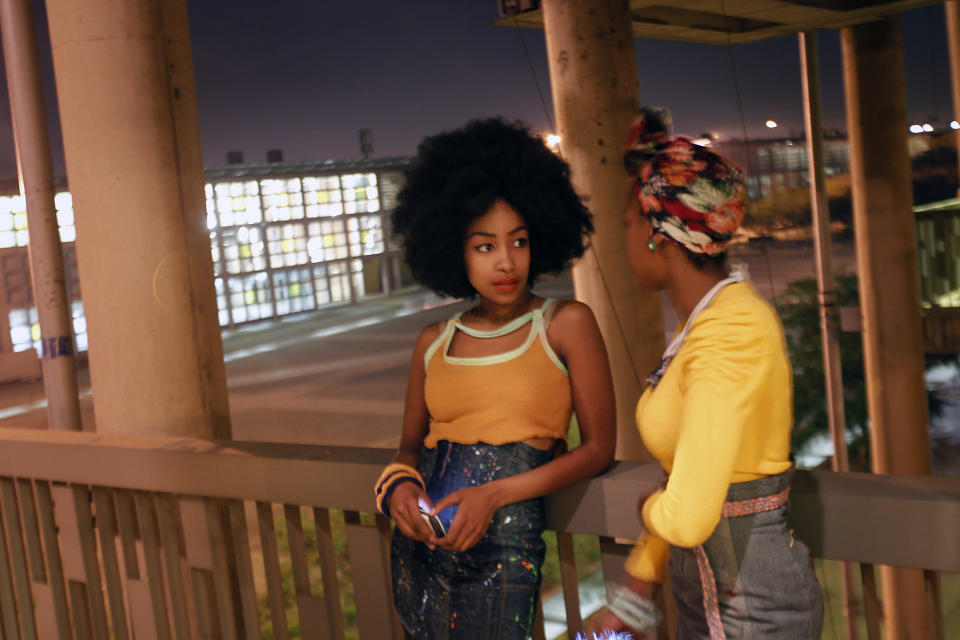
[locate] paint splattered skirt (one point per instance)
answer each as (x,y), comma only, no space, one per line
(489,591)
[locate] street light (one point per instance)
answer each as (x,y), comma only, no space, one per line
(954,124)
(553,141)
(915,128)
(928,127)
(772,124)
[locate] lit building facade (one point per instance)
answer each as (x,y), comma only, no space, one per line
(781,163)
(285,238)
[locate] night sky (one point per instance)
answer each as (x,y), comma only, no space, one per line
(304,76)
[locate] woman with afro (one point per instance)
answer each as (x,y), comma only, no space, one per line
(485,210)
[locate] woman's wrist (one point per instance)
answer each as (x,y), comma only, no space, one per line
(636,610)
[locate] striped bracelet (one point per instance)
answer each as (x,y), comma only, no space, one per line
(391,477)
(633,609)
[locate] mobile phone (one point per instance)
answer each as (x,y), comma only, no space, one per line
(434,523)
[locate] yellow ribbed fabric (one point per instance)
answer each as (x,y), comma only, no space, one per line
(510,397)
(722,413)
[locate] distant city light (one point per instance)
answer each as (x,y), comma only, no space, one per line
(703,142)
(928,128)
(553,141)
(954,124)
(772,124)
(916,128)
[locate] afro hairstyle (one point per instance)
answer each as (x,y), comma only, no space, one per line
(457,176)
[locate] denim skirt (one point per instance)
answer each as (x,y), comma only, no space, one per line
(766,587)
(490,590)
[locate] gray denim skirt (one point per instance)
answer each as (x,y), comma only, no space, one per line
(766,587)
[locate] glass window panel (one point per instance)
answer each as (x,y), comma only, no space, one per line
(7,239)
(293,184)
(350,207)
(236,189)
(68,234)
(372,193)
(23,238)
(350,195)
(239,203)
(20,220)
(208,190)
(373,206)
(296,213)
(226,219)
(270,186)
(65,217)
(313,211)
(222,189)
(251,188)
(63,200)
(358,289)
(6,221)
(333,209)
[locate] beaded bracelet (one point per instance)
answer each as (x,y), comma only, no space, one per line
(636,611)
(391,477)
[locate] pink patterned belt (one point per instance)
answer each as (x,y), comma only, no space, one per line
(708,581)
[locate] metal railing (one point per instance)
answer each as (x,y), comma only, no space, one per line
(123,536)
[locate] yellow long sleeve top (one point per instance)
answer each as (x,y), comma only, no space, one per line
(722,413)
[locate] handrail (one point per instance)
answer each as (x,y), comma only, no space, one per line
(131,512)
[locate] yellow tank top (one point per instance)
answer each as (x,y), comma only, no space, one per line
(508,397)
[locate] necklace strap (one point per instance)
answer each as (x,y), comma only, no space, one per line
(510,327)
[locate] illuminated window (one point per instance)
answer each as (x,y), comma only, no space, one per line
(371,235)
(243,250)
(293,291)
(339,282)
(322,291)
(287,245)
(223,314)
(250,297)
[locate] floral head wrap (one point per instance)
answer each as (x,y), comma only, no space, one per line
(689,193)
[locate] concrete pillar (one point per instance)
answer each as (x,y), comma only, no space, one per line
(35,170)
(129,115)
(952,10)
(593,76)
(889,281)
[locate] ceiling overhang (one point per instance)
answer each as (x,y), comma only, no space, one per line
(739,21)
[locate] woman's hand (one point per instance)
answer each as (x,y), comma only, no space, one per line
(476,508)
(405,510)
(608,621)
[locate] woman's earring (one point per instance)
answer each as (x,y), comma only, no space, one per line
(652,245)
